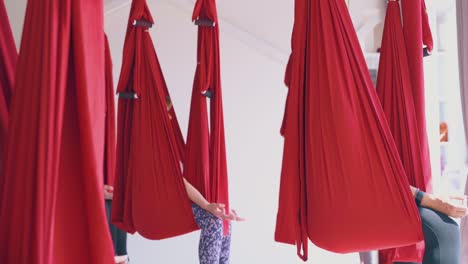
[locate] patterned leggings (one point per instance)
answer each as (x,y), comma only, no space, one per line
(214,248)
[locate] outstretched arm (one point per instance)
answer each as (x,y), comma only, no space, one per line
(216,209)
(454,206)
(195,196)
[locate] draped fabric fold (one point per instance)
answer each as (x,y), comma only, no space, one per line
(149,193)
(417,33)
(205,163)
(110,132)
(340,161)
(8,60)
(394,91)
(51,209)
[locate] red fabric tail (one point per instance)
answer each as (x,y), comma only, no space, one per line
(293,192)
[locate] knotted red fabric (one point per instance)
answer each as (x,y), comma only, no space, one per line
(396,96)
(426,28)
(149,193)
(417,33)
(343,185)
(205,164)
(51,204)
(110,132)
(8,60)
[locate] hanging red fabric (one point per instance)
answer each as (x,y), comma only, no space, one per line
(149,193)
(110,132)
(205,165)
(340,162)
(417,32)
(396,96)
(51,204)
(426,28)
(8,59)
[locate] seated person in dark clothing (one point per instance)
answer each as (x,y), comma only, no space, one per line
(119,237)
(441,232)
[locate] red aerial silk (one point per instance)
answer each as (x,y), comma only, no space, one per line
(149,193)
(417,33)
(394,90)
(51,204)
(110,141)
(205,164)
(426,28)
(342,184)
(8,59)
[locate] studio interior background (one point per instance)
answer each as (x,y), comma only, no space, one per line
(254,51)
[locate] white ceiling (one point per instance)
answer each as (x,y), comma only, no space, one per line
(270,20)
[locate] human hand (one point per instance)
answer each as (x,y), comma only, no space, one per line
(232,215)
(108,192)
(454,206)
(219,210)
(216,209)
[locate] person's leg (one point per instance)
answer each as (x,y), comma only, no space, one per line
(211,237)
(226,248)
(442,238)
(464,239)
(370,257)
(119,237)
(111,227)
(120,242)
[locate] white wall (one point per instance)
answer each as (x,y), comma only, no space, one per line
(16,10)
(368,14)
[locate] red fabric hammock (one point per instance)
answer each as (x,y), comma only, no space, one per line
(342,184)
(149,194)
(394,90)
(110,152)
(8,59)
(205,165)
(51,204)
(417,33)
